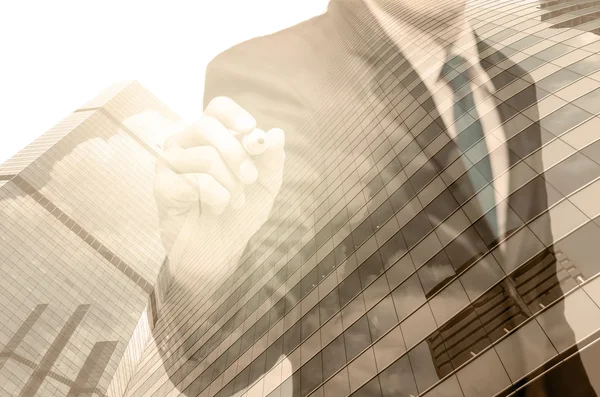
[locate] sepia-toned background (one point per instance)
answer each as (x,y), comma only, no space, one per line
(82,270)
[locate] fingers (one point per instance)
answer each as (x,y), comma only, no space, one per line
(171,188)
(185,176)
(231,115)
(208,131)
(255,142)
(175,192)
(270,164)
(208,161)
(230,149)
(213,195)
(193,160)
(275,139)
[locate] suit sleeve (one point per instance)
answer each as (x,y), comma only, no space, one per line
(265,89)
(255,86)
(265,92)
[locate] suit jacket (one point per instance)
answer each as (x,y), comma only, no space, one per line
(357,117)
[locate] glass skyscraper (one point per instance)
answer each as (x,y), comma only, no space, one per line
(356,286)
(571,14)
(359,284)
(82,268)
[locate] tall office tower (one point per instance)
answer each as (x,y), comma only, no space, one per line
(584,15)
(81,256)
(379,273)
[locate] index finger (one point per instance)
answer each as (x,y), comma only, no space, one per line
(230,114)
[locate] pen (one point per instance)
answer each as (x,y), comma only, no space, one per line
(253,142)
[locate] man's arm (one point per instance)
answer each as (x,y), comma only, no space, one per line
(265,92)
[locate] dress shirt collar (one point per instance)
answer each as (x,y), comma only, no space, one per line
(426,55)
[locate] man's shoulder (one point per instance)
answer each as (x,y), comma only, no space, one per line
(277,50)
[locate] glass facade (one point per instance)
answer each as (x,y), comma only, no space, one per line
(376,274)
(566,14)
(80,251)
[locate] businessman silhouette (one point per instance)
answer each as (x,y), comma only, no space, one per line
(402,195)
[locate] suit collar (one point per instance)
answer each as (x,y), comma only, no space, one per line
(364,37)
(427,53)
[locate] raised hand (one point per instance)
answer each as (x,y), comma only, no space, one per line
(211,193)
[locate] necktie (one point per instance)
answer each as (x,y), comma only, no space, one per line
(469,132)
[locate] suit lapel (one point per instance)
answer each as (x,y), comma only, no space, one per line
(388,68)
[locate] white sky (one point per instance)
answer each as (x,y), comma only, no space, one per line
(57,55)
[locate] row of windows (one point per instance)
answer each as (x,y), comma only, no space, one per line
(325,235)
(44,256)
(300,329)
